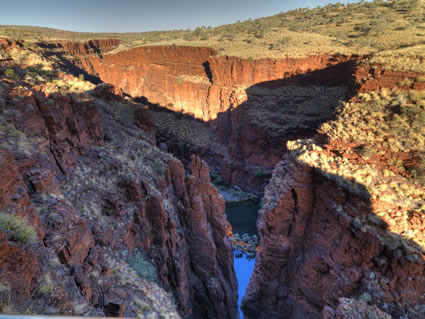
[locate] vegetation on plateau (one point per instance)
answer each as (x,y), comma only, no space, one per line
(375,149)
(355,28)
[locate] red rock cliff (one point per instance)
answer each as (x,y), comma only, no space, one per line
(93,213)
(192,79)
(252,105)
(226,92)
(211,256)
(313,251)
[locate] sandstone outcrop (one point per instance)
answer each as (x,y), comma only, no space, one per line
(100,46)
(374,78)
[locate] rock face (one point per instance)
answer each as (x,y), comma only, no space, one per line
(353,309)
(376,78)
(83,48)
(94,220)
(313,251)
(236,97)
(39,143)
(210,253)
(193,80)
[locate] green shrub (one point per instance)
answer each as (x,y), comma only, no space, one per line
(189,36)
(31,71)
(37,69)
(9,73)
(418,171)
(22,230)
(405,82)
(45,289)
(142,267)
(280,44)
(258,172)
(216,177)
(179,80)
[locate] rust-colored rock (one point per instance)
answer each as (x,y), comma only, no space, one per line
(314,251)
(375,78)
(18,265)
(354,309)
(9,174)
(311,254)
(193,80)
(218,90)
(83,48)
(214,287)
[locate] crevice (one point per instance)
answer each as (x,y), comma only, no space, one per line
(295,197)
(208,72)
(51,148)
(58,164)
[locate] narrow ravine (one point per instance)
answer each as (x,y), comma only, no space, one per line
(243,218)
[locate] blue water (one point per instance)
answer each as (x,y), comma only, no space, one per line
(243,218)
(243,269)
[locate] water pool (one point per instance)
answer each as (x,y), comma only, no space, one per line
(243,218)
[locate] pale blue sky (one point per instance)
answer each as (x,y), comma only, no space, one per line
(141,15)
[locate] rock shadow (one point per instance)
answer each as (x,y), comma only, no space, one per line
(257,122)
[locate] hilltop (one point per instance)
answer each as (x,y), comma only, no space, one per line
(356,28)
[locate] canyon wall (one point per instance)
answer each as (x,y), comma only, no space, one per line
(95,220)
(314,250)
(243,101)
(194,80)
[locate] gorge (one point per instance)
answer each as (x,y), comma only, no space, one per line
(119,175)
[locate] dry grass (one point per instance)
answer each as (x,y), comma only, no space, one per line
(391,119)
(20,228)
(300,44)
(13,139)
(404,59)
(29,57)
(357,28)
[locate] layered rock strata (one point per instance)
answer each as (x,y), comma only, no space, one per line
(243,101)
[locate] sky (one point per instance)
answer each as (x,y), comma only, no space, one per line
(141,15)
